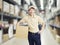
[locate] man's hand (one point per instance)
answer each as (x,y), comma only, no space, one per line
(39,32)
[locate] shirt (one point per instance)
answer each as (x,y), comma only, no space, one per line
(32,22)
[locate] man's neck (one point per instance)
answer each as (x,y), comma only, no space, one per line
(32,15)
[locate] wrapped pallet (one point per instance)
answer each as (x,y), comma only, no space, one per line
(16,12)
(11,9)
(5,7)
(0,5)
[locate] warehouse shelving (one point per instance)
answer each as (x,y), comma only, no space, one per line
(4,16)
(11,2)
(54,26)
(10,16)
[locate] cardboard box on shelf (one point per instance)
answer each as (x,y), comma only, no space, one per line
(5,7)
(11,9)
(16,11)
(22,32)
(0,5)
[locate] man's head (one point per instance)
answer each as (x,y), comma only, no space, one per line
(31,10)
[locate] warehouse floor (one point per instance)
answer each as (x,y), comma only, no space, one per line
(45,39)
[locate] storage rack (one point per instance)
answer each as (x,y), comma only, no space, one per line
(6,16)
(54,28)
(52,18)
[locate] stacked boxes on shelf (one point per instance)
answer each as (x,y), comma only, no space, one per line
(0,5)
(11,9)
(8,8)
(5,7)
(16,11)
(57,22)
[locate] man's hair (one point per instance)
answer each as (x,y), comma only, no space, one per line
(31,7)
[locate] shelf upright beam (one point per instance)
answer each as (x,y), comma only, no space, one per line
(1,31)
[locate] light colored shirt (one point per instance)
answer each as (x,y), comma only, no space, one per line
(32,22)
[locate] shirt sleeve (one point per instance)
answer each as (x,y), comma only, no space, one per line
(23,20)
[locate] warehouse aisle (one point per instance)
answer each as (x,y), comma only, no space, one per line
(11,11)
(45,39)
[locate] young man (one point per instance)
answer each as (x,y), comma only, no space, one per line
(33,31)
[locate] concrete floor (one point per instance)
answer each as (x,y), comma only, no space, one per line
(46,39)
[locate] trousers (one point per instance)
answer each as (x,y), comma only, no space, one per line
(34,38)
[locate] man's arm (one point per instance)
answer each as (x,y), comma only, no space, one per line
(40,21)
(23,20)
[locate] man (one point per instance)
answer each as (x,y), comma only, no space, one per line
(33,31)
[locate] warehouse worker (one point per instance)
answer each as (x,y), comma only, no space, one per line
(33,31)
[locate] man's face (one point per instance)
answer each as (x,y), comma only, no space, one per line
(31,11)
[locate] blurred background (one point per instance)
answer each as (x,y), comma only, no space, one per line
(11,11)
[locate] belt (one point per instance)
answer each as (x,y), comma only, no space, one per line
(33,33)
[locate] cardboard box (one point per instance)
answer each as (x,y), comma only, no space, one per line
(11,9)
(16,11)
(22,32)
(0,5)
(5,7)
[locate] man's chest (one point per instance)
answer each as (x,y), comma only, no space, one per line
(32,20)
